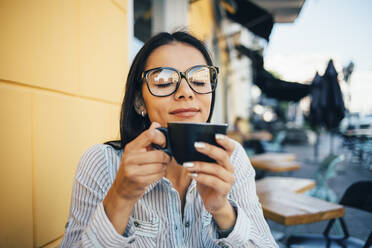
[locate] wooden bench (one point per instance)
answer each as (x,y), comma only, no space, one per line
(275,162)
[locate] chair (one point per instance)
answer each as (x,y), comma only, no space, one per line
(325,171)
(276,144)
(358,196)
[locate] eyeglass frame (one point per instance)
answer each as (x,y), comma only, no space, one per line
(144,75)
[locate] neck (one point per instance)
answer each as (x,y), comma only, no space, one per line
(178,176)
(180,180)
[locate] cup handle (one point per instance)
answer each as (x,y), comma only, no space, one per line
(167,148)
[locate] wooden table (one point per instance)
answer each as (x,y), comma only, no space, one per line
(359,132)
(275,156)
(241,137)
(293,184)
(259,135)
(275,162)
(289,208)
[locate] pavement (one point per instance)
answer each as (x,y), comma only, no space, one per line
(349,171)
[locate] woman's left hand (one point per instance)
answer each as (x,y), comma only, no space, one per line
(214,180)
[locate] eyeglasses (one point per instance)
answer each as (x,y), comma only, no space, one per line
(164,81)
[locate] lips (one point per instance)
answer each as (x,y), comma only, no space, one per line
(185,112)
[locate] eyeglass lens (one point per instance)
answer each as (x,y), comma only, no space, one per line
(163,81)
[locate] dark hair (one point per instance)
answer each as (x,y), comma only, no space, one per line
(131,123)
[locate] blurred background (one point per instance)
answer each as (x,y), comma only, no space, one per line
(295,77)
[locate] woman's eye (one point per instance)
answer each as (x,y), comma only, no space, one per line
(164,85)
(196,83)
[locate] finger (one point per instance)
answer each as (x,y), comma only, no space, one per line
(146,157)
(148,137)
(216,153)
(213,182)
(212,169)
(145,181)
(146,170)
(225,142)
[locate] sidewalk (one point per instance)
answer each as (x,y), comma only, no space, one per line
(359,224)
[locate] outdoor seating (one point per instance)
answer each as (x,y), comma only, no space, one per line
(282,203)
(276,144)
(363,148)
(259,135)
(326,170)
(251,141)
(289,208)
(357,196)
(367,162)
(358,146)
(275,162)
(235,135)
(293,184)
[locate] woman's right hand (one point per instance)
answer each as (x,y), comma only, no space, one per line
(141,165)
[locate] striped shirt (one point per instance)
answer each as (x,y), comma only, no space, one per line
(156,219)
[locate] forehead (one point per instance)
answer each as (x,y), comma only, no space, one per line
(180,56)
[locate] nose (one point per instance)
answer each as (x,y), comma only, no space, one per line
(184,90)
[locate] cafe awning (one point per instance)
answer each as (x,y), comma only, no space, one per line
(283,11)
(259,16)
(256,19)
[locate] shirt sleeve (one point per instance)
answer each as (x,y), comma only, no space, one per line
(250,229)
(88,224)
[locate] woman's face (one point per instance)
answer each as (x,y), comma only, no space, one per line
(184,105)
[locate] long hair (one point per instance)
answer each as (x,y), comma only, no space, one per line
(131,123)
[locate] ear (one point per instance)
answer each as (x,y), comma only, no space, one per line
(139,105)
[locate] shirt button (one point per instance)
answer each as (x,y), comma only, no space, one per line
(222,245)
(187,224)
(131,241)
(136,224)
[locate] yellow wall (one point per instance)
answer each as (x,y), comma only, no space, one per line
(62,70)
(201,19)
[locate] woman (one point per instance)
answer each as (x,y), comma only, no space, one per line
(132,195)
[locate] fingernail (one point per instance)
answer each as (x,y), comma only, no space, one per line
(199,144)
(193,175)
(188,164)
(219,136)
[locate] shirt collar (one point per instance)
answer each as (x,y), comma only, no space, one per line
(151,186)
(165,181)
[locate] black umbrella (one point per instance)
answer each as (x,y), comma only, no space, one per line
(317,106)
(317,109)
(327,106)
(332,97)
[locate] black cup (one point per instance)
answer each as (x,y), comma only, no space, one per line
(181,137)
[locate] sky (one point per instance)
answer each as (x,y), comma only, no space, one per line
(325,29)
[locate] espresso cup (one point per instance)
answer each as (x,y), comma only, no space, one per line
(181,136)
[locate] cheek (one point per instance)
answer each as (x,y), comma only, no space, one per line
(157,110)
(207,103)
